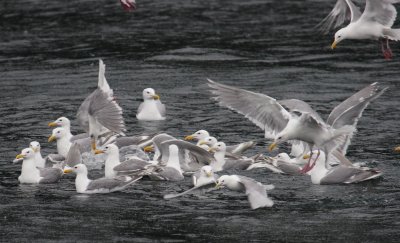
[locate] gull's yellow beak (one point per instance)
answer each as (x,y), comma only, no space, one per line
(218,185)
(306,156)
(20,156)
(148,149)
(34,149)
(333,46)
(272,146)
(209,174)
(93,144)
(66,171)
(52,138)
(97,151)
(156,97)
(52,124)
(189,138)
(397,149)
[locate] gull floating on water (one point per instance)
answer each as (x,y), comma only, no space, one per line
(374,23)
(66,124)
(102,185)
(255,191)
(31,174)
(151,109)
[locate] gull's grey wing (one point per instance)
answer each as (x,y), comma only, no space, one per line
(342,11)
(50,175)
(133,140)
(102,82)
(110,185)
(170,196)
(79,137)
(288,168)
(200,153)
(381,11)
(132,165)
(167,174)
(241,164)
(160,138)
(260,109)
(161,108)
(256,193)
(107,112)
(74,155)
(300,106)
(339,174)
(140,108)
(82,115)
(364,175)
(55,158)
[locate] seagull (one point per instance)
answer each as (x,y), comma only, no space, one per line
(99,114)
(198,136)
(374,23)
(65,123)
(282,125)
(31,174)
(102,185)
(40,162)
(221,163)
(63,140)
(344,173)
(151,109)
(281,164)
(255,191)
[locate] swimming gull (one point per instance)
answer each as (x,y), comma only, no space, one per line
(34,175)
(255,191)
(103,185)
(151,109)
(66,124)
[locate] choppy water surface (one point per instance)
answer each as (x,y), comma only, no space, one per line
(49,54)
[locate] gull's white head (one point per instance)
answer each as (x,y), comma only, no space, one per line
(226,180)
(26,153)
(60,122)
(108,149)
(57,133)
(340,35)
(207,171)
(283,157)
(218,147)
(150,94)
(35,146)
(78,169)
(199,135)
(210,141)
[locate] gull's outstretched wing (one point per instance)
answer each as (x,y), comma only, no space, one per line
(260,109)
(342,11)
(381,11)
(256,193)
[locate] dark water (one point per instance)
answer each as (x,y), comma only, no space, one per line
(49,54)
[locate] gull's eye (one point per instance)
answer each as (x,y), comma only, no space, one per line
(280,137)
(219,145)
(148,92)
(27,152)
(58,132)
(76,167)
(107,147)
(223,181)
(198,133)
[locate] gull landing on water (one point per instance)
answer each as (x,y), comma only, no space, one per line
(374,23)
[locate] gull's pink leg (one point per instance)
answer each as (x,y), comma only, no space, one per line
(387,52)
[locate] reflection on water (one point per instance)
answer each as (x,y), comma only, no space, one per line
(48,63)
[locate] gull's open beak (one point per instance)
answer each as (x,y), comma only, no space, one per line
(272,146)
(149,148)
(52,138)
(218,185)
(98,151)
(306,156)
(189,138)
(156,97)
(67,170)
(52,124)
(209,174)
(20,156)
(333,46)
(397,149)
(93,144)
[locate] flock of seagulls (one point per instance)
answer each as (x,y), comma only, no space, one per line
(318,146)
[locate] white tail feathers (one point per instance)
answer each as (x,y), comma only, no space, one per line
(392,34)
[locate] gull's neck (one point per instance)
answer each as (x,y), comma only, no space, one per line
(111,161)
(29,171)
(219,161)
(39,161)
(81,182)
